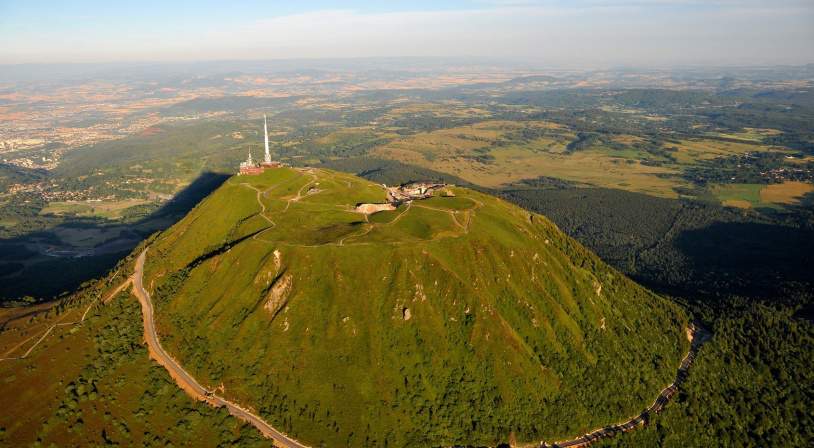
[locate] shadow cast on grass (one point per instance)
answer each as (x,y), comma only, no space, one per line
(748,258)
(25,270)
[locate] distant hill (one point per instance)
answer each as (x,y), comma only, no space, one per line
(225,103)
(456,320)
(13,174)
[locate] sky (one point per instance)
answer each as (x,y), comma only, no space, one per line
(576,33)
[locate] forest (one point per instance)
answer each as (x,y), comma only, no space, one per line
(750,386)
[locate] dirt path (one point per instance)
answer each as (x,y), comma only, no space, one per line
(299,192)
(105,299)
(262,206)
(466,214)
(288,202)
(453,214)
(698,336)
(183,378)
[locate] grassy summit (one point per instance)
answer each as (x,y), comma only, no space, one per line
(452,320)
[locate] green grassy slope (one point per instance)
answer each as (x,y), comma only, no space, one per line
(460,320)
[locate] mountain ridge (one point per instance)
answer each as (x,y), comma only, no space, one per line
(454,319)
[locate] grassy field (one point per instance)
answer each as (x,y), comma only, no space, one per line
(455,151)
(738,195)
(103,209)
(455,320)
(691,151)
(487,154)
(495,154)
(750,134)
(785,193)
(445,109)
(758,195)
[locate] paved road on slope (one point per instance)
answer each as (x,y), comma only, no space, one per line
(698,337)
(184,379)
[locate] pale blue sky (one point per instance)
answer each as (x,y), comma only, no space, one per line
(540,32)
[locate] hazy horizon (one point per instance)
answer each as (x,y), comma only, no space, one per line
(584,33)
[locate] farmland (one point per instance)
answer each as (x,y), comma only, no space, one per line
(689,142)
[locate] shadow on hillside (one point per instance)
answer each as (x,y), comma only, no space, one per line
(748,258)
(691,249)
(40,265)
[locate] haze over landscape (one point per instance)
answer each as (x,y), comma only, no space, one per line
(583,33)
(407,224)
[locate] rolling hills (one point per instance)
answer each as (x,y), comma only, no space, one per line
(458,319)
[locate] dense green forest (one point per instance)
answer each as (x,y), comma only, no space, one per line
(751,386)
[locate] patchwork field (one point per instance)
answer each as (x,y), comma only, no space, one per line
(445,109)
(494,154)
(692,151)
(785,193)
(758,195)
(497,153)
(751,134)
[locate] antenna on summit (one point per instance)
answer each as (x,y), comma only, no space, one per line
(267,158)
(250,167)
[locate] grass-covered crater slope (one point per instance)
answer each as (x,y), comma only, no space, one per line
(451,320)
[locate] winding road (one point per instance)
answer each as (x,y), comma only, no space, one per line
(697,337)
(183,378)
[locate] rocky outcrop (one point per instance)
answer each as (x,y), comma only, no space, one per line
(278,295)
(369,209)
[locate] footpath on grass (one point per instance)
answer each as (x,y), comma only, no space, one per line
(104,300)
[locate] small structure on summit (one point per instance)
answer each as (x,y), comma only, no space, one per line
(412,191)
(249,167)
(401,194)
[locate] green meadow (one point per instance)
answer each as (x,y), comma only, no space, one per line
(452,320)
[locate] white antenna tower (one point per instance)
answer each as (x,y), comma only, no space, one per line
(267,158)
